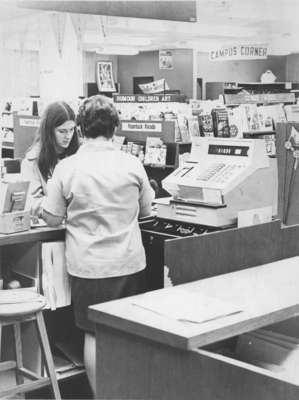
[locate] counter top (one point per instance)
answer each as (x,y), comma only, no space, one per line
(42,234)
(265,294)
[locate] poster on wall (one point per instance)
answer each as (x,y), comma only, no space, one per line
(165,59)
(104,76)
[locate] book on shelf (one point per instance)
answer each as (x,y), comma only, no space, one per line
(193,126)
(155,151)
(183,128)
(265,118)
(253,118)
(292,112)
(118,141)
(237,121)
(206,124)
(220,122)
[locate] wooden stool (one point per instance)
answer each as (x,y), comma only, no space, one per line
(18,306)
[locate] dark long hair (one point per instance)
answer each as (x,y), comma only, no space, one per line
(55,114)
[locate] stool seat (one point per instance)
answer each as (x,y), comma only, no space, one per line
(19,302)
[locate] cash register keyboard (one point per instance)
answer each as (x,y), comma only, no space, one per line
(211,171)
(219,172)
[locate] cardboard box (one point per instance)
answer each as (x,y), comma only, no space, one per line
(13,222)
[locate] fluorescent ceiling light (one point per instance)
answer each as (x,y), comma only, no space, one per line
(93,37)
(135,41)
(117,50)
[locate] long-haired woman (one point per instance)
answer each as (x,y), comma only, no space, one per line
(56,139)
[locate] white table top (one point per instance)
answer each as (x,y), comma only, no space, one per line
(265,294)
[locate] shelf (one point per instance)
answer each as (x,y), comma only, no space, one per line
(259,133)
(159,166)
(237,89)
(265,83)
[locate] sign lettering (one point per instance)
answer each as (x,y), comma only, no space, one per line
(141,126)
(146,98)
(30,122)
(239,52)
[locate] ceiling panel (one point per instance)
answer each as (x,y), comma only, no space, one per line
(166,10)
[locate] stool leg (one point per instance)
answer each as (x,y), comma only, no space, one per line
(47,353)
(19,352)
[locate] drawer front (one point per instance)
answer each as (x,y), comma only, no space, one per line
(243,381)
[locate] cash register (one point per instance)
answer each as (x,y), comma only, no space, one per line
(221,178)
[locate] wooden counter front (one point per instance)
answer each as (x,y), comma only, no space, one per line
(144,355)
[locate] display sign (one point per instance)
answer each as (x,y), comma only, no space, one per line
(30,122)
(239,52)
(142,98)
(244,97)
(141,126)
(154,87)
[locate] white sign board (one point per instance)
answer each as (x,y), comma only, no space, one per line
(141,126)
(30,122)
(239,52)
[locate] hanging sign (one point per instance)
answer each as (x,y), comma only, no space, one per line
(239,52)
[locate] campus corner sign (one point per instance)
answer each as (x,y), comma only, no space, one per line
(239,52)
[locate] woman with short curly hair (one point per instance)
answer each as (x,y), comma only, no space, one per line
(102,191)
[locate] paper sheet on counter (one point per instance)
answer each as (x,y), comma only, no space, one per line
(184,305)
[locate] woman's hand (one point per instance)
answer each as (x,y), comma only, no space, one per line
(36,210)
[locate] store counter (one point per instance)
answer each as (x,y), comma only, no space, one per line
(144,353)
(22,251)
(41,234)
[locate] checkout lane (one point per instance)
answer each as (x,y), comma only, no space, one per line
(170,360)
(174,227)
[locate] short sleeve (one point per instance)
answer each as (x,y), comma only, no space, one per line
(54,202)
